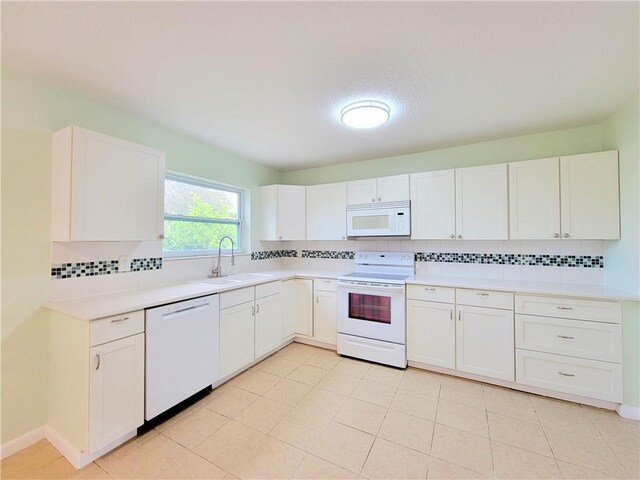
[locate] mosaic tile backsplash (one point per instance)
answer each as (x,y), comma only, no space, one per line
(101,267)
(267,254)
(584,261)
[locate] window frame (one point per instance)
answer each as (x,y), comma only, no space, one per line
(201,182)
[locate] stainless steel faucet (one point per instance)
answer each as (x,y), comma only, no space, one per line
(217,272)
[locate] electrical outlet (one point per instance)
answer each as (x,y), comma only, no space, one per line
(124,264)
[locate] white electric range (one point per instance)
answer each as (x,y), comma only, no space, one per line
(371,308)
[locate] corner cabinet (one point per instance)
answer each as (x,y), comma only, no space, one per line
(105,188)
(574,197)
(589,196)
(282,212)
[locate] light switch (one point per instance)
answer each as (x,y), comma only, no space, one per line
(124,264)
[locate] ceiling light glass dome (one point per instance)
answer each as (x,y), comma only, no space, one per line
(365,114)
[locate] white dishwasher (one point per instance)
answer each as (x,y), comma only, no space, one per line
(182,351)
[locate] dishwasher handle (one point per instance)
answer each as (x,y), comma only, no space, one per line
(187,309)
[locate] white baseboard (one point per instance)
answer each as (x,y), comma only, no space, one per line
(64,447)
(627,411)
(23,441)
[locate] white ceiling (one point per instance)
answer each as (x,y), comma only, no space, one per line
(267,80)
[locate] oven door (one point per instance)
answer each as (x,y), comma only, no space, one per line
(370,222)
(372,312)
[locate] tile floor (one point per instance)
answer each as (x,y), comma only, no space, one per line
(306,413)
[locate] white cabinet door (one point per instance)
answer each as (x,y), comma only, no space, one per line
(327,212)
(482,203)
(433,205)
(105,188)
(282,212)
(484,342)
(289,304)
(590,196)
(393,189)
(304,307)
(534,199)
(362,191)
(236,337)
(325,317)
(116,398)
(291,212)
(268,324)
(431,333)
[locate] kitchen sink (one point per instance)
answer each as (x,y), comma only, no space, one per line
(249,277)
(220,281)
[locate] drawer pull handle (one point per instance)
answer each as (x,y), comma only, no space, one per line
(430,289)
(120,320)
(565,308)
(482,294)
(98,361)
(566,337)
(566,374)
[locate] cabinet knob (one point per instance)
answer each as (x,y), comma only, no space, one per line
(161,236)
(279,238)
(556,235)
(452,236)
(459,236)
(373,199)
(566,235)
(379,199)
(344,238)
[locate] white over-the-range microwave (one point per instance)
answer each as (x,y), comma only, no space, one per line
(391,219)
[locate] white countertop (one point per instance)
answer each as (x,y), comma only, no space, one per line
(106,305)
(594,292)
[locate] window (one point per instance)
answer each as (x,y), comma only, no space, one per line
(197,214)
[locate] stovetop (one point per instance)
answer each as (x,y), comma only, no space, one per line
(381,267)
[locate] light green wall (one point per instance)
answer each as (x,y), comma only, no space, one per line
(622,131)
(31,112)
(541,145)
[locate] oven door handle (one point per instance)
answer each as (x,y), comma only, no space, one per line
(399,288)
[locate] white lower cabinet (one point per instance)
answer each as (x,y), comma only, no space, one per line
(324,311)
(484,342)
(236,337)
(431,333)
(268,324)
(576,376)
(116,390)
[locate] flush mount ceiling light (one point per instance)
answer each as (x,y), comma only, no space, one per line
(365,114)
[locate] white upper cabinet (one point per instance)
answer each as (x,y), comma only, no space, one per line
(362,191)
(327,211)
(383,189)
(534,199)
(433,205)
(282,212)
(105,189)
(589,193)
(482,203)
(393,189)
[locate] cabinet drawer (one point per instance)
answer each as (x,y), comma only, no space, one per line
(431,294)
(266,289)
(325,284)
(236,297)
(568,308)
(484,298)
(587,378)
(592,340)
(119,326)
